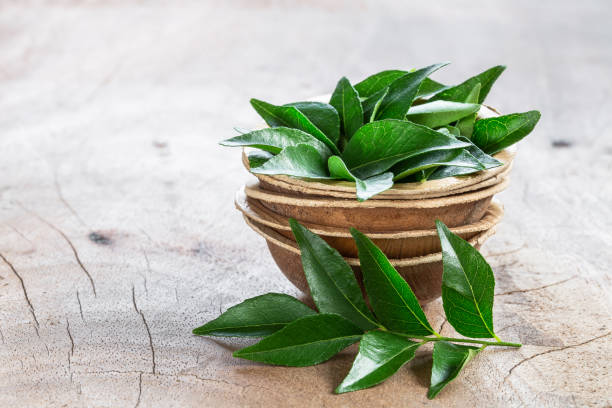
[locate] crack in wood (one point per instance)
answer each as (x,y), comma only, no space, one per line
(139,390)
(146,325)
(70,337)
(25,292)
(58,189)
(552,351)
(534,289)
(80,306)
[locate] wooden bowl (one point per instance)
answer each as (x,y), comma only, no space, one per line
(400,191)
(380,215)
(423,274)
(404,244)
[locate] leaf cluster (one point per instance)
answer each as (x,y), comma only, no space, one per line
(394,126)
(389,331)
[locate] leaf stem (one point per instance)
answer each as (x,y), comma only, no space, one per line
(458,340)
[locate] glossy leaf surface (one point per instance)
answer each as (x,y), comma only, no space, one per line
(323,116)
(380,355)
(493,135)
(438,113)
(332,282)
(299,161)
(457,158)
(366,188)
(467,286)
(256,317)
(459,93)
(379,145)
(391,298)
(448,361)
(372,104)
(346,101)
(304,342)
(258,157)
(466,125)
(275,139)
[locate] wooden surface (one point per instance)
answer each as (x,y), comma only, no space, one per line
(118,232)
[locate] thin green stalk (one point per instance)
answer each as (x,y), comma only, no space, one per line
(456,340)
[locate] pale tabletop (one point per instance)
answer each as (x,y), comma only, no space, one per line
(118,232)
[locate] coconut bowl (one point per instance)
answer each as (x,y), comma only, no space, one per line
(423,274)
(380,215)
(404,244)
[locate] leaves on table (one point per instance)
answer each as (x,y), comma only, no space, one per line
(299,161)
(403,91)
(493,135)
(291,117)
(467,286)
(438,113)
(459,93)
(256,317)
(366,188)
(377,146)
(448,361)
(304,342)
(345,100)
(380,355)
(391,298)
(332,282)
(275,139)
(455,158)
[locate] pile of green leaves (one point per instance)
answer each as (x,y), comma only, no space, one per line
(393,126)
(389,333)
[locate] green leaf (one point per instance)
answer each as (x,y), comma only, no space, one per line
(377,146)
(381,354)
(467,286)
(460,92)
(391,298)
(466,125)
(256,317)
(448,361)
(275,139)
(493,135)
(304,342)
(403,91)
(258,157)
(447,170)
(449,130)
(291,117)
(372,105)
(458,158)
(377,82)
(366,188)
(438,113)
(322,115)
(298,161)
(332,282)
(346,101)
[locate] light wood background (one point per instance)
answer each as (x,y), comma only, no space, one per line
(118,232)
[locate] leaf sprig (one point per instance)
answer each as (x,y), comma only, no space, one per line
(389,334)
(393,126)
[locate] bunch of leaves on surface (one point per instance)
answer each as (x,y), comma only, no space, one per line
(393,126)
(389,333)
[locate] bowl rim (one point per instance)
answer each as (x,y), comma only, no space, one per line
(279,240)
(260,214)
(253,190)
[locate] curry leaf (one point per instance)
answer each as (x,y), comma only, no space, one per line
(380,355)
(493,135)
(467,286)
(394,303)
(276,139)
(377,146)
(403,91)
(366,188)
(448,170)
(466,125)
(304,342)
(323,116)
(457,158)
(460,92)
(299,161)
(377,82)
(372,104)
(448,361)
(438,113)
(332,282)
(346,101)
(258,157)
(256,317)
(291,117)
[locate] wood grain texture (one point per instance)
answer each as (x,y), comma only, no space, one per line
(118,232)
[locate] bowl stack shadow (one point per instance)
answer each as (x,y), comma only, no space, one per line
(401,221)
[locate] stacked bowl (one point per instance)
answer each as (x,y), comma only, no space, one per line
(401,220)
